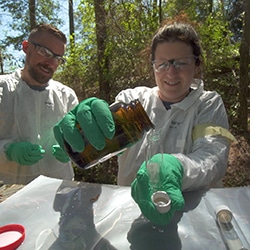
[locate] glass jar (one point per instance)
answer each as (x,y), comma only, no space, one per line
(131,121)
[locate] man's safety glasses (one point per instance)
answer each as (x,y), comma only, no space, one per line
(47,53)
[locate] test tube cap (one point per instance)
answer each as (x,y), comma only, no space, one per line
(220,208)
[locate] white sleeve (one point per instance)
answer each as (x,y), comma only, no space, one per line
(206,164)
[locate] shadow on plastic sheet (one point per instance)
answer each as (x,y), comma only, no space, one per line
(76,228)
(143,235)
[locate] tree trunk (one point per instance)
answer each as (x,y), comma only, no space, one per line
(32,14)
(243,112)
(103,60)
(71,22)
(1,63)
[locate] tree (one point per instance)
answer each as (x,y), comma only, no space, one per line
(32,13)
(102,55)
(243,111)
(1,63)
(71,23)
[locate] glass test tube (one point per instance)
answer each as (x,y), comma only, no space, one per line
(231,232)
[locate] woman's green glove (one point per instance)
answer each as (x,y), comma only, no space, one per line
(171,172)
(59,154)
(24,153)
(96,121)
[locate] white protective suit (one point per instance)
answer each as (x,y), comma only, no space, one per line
(194,130)
(29,115)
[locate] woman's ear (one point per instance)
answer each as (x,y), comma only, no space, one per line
(198,72)
(25,46)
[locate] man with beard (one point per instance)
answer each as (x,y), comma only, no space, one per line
(31,103)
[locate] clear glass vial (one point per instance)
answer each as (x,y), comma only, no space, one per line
(160,198)
(230,230)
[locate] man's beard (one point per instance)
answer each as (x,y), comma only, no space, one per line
(37,76)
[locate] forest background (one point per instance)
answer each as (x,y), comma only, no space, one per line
(104,55)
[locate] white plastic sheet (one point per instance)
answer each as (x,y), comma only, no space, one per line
(75,215)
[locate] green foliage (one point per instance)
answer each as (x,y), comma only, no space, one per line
(221,61)
(101,173)
(128,36)
(80,71)
(216,41)
(129,27)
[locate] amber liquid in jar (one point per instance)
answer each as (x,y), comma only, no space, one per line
(131,122)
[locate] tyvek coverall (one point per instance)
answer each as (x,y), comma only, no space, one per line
(194,130)
(29,115)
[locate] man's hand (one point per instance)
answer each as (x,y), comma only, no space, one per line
(24,153)
(96,121)
(171,173)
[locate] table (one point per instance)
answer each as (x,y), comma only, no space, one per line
(75,215)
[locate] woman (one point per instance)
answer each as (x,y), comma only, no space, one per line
(192,122)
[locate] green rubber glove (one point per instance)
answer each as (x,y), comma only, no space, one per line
(94,117)
(171,173)
(60,154)
(24,153)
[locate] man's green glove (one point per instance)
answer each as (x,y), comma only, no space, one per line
(95,119)
(171,172)
(59,154)
(24,153)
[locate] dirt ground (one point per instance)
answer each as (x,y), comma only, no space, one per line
(238,170)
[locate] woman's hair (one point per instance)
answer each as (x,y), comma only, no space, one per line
(182,32)
(49,29)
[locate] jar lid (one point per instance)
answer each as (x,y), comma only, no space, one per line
(11,236)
